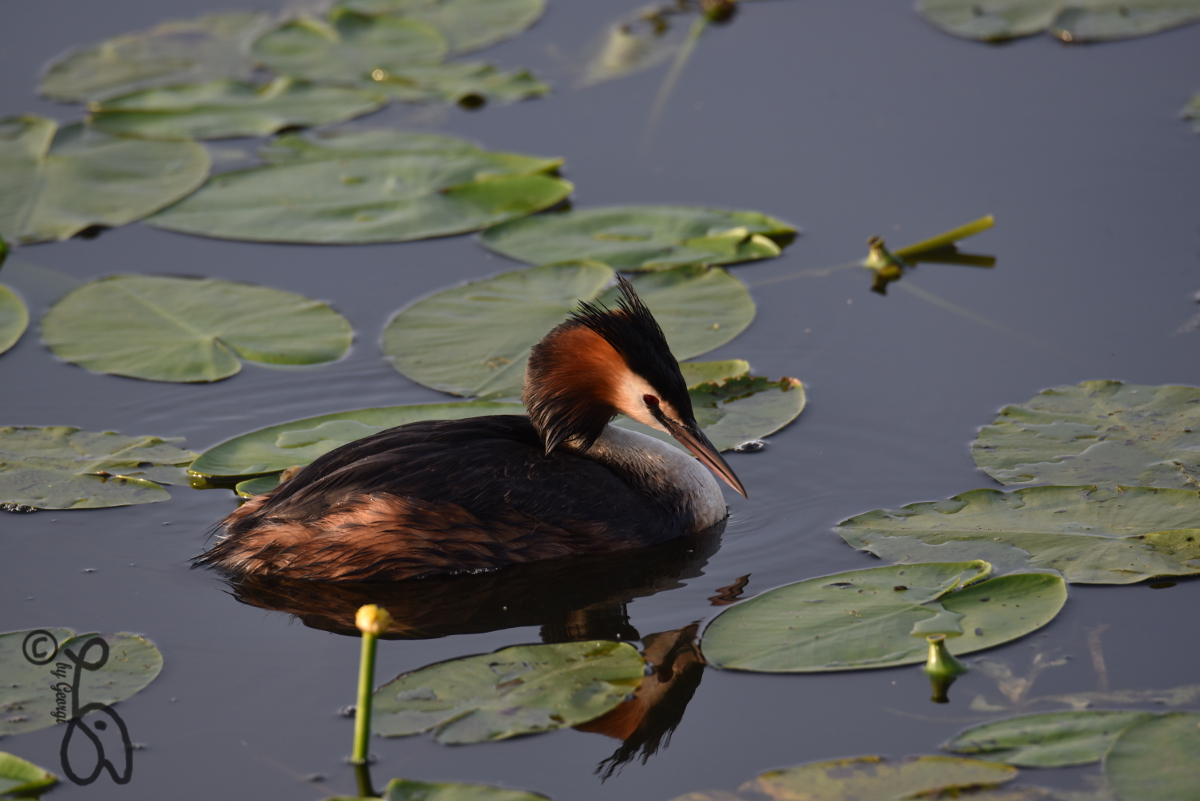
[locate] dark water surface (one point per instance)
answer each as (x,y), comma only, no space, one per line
(848,119)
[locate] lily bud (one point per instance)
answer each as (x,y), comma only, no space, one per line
(372,619)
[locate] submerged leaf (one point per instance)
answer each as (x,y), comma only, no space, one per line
(639,238)
(1046,740)
(161,328)
(880,617)
(1098,432)
(19,776)
(14,318)
(55,182)
(1157,759)
(1090,536)
(520,690)
(1069,20)
(468,83)
(640,43)
(467,24)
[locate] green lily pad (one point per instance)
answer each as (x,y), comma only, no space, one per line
(19,776)
(278,447)
(1157,759)
(1047,740)
(409,790)
(520,690)
(1078,21)
(348,46)
(64,468)
(474,340)
(868,778)
(469,83)
(1091,536)
(880,617)
(161,328)
(696,373)
(58,181)
(467,24)
(14,318)
(178,52)
(320,189)
(637,238)
(257,486)
(33,661)
(1099,432)
(229,108)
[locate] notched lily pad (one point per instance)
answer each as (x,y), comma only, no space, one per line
(1091,536)
(466,24)
(1071,21)
(641,238)
(20,776)
(1046,740)
(14,318)
(59,467)
(520,690)
(880,617)
(469,84)
(1156,759)
(161,328)
(1098,432)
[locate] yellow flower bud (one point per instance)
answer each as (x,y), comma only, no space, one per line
(372,619)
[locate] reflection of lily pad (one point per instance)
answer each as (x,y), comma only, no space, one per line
(58,181)
(868,779)
(278,447)
(470,83)
(1099,432)
(467,24)
(29,661)
(1046,740)
(14,318)
(229,108)
(1157,759)
(1091,536)
(473,340)
(1069,20)
(322,190)
(183,51)
(880,617)
(65,468)
(19,776)
(519,690)
(635,238)
(186,329)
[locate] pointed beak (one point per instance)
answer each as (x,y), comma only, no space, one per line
(694,440)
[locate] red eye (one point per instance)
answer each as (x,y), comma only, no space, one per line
(650,400)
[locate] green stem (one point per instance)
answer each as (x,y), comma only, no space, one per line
(362,712)
(681,60)
(948,238)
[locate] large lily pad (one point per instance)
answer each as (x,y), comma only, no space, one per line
(520,690)
(880,617)
(178,52)
(1098,432)
(19,776)
(162,328)
(469,83)
(1046,740)
(1157,759)
(33,661)
(636,238)
(320,189)
(474,340)
(64,468)
(1069,20)
(467,24)
(278,447)
(696,373)
(1091,536)
(229,108)
(14,318)
(869,778)
(56,182)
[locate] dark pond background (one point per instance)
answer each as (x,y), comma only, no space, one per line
(846,118)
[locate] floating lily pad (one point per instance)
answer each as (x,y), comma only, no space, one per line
(161,328)
(19,776)
(230,108)
(257,486)
(696,373)
(178,52)
(1091,536)
(58,181)
(14,318)
(474,340)
(1157,759)
(1078,21)
(1047,740)
(467,24)
(468,83)
(65,468)
(276,448)
(1099,432)
(520,690)
(409,790)
(880,617)
(868,778)
(33,661)
(636,238)
(348,46)
(319,189)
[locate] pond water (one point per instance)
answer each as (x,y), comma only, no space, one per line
(847,119)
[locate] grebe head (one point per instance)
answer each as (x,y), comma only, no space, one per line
(602,362)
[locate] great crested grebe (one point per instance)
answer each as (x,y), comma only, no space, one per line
(462,496)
